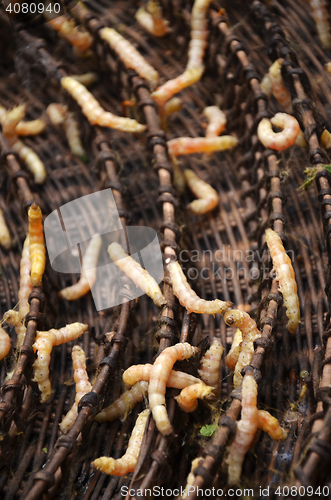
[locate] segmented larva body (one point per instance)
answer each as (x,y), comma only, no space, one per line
(44,344)
(188,398)
(86,79)
(191,477)
(278,140)
(246,429)
(127,463)
(286,278)
(37,244)
(250,333)
(56,113)
(131,58)
(188,298)
(79,38)
(209,369)
(73,136)
(14,318)
(217,121)
(208,196)
(151,19)
(95,114)
(266,85)
(83,386)
(5,239)
(136,273)
(321,17)
(178,380)
(32,161)
(327,67)
(278,88)
(191,145)
(175,104)
(270,424)
(124,403)
(25,279)
(158,380)
(233,355)
(4,343)
(32,127)
(326,139)
(10,121)
(164,93)
(89,271)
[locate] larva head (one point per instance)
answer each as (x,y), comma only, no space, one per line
(234,317)
(35,213)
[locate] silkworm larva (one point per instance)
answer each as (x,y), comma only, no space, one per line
(79,38)
(246,429)
(72,133)
(12,317)
(124,403)
(5,239)
(151,19)
(175,104)
(89,271)
(37,244)
(209,369)
(95,114)
(83,386)
(32,161)
(278,88)
(326,139)
(10,121)
(86,79)
(136,273)
(286,278)
(188,398)
(164,93)
(216,119)
(270,424)
(188,298)
(179,181)
(56,113)
(208,196)
(191,145)
(127,463)
(266,85)
(178,380)
(131,58)
(191,477)
(321,17)
(25,279)
(300,140)
(4,343)
(233,355)
(327,67)
(44,344)
(280,140)
(32,127)
(250,333)
(158,379)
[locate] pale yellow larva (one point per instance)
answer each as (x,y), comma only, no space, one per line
(177,379)
(188,398)
(278,140)
(124,403)
(151,19)
(233,355)
(4,343)
(67,29)
(321,17)
(32,161)
(278,88)
(32,127)
(208,198)
(209,369)
(5,239)
(270,424)
(216,121)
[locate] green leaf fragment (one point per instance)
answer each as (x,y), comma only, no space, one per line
(208,430)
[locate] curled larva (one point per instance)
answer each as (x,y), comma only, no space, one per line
(246,429)
(127,463)
(179,181)
(281,140)
(32,127)
(321,17)
(37,244)
(151,19)
(10,121)
(188,398)
(130,56)
(278,88)
(32,161)
(208,196)
(250,333)
(83,386)
(209,369)
(136,273)
(286,278)
(25,279)
(158,380)
(12,317)
(89,271)
(326,139)
(43,345)
(217,121)
(95,114)
(56,113)
(191,145)
(233,355)
(178,380)
(124,403)
(5,239)
(270,424)
(188,298)
(4,343)
(164,93)
(67,29)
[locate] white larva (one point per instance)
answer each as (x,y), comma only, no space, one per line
(233,355)
(4,344)
(321,17)
(188,398)
(151,19)
(217,121)
(209,369)
(5,239)
(278,140)
(278,88)
(270,424)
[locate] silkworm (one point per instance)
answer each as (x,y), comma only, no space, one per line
(233,355)
(270,424)
(86,79)
(320,15)
(278,88)
(164,93)
(188,398)
(177,379)
(286,278)
(191,145)
(32,161)
(188,298)
(266,85)
(217,121)
(250,333)
(127,463)
(208,196)
(281,140)
(246,429)
(5,344)
(67,29)
(43,345)
(12,317)
(158,379)
(10,121)
(209,369)
(124,403)
(56,113)
(37,244)
(32,127)
(326,139)
(136,273)
(25,279)
(95,114)
(191,477)
(179,181)
(83,386)
(175,104)
(5,239)
(328,67)
(89,271)
(151,19)
(73,136)
(130,56)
